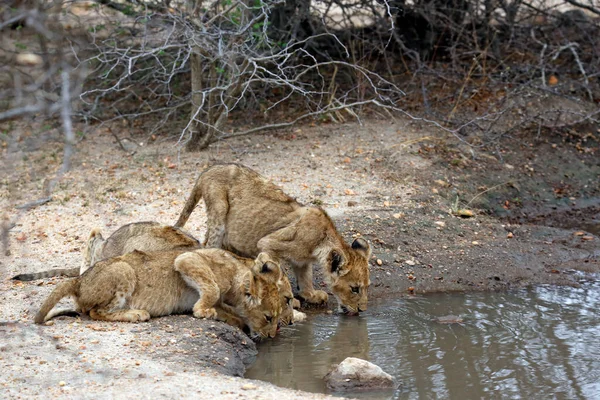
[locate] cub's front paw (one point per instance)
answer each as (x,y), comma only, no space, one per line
(296,304)
(208,313)
(315,297)
(138,315)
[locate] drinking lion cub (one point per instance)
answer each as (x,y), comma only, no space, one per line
(212,283)
(247,214)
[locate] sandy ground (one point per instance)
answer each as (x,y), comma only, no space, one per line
(385,180)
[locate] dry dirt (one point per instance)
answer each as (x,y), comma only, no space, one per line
(388,181)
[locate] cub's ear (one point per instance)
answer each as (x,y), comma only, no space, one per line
(337,263)
(263,257)
(265,268)
(95,234)
(362,246)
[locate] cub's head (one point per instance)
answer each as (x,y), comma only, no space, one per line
(93,250)
(262,302)
(348,269)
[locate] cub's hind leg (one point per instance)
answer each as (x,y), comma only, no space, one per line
(106,292)
(217,207)
(198,275)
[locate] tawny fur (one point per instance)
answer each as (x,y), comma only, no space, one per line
(211,283)
(247,214)
(142,236)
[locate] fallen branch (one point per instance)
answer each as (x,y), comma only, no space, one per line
(31,204)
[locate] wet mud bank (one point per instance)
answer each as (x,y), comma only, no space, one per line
(429,250)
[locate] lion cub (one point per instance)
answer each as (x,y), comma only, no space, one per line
(211,283)
(247,214)
(142,236)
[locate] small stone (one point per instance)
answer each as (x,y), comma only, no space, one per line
(587,237)
(465,213)
(249,386)
(298,316)
(441,224)
(29,59)
(509,235)
(62,383)
(410,262)
(352,203)
(379,262)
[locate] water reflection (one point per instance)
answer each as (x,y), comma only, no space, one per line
(532,343)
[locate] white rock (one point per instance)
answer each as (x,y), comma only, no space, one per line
(356,374)
(29,59)
(299,316)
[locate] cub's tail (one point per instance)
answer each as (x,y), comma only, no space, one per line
(69,288)
(190,204)
(72,272)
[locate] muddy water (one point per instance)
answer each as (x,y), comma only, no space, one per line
(532,343)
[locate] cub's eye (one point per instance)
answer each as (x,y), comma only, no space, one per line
(268,318)
(355,289)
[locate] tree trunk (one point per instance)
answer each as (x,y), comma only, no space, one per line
(200,133)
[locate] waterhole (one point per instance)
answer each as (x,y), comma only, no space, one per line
(535,343)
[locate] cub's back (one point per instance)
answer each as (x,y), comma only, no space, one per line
(255,206)
(147,237)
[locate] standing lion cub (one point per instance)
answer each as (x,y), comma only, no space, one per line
(212,283)
(247,214)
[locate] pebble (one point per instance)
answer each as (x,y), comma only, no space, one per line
(249,386)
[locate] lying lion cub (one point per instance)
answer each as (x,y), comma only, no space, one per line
(247,214)
(212,283)
(142,236)
(147,237)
